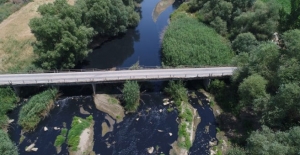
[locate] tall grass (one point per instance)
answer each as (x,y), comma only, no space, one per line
(13,57)
(131,95)
(60,139)
(8,101)
(7,147)
(189,42)
(37,108)
(78,125)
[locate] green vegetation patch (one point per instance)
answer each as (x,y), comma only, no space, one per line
(189,42)
(131,95)
(179,93)
(7,102)
(8,8)
(78,125)
(285,4)
(60,139)
(36,109)
(7,147)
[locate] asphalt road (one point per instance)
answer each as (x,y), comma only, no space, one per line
(105,76)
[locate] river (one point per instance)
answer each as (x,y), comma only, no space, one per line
(130,137)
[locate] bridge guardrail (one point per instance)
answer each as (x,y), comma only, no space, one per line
(110,69)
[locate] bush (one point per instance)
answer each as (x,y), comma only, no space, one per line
(189,42)
(36,109)
(7,147)
(131,95)
(7,102)
(177,91)
(78,125)
(60,139)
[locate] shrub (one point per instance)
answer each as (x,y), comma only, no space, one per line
(78,125)
(36,109)
(131,94)
(177,91)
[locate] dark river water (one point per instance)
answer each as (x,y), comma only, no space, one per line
(130,137)
(140,44)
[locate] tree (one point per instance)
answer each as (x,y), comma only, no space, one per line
(244,42)
(284,109)
(253,87)
(61,38)
(131,95)
(291,40)
(261,20)
(109,17)
(265,143)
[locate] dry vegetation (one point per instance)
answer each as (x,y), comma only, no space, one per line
(16,38)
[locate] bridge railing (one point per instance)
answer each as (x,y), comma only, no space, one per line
(109,69)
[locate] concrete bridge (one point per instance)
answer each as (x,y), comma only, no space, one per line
(94,77)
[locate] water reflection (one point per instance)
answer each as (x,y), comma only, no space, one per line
(113,53)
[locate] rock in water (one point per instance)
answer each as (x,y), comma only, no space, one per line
(28,149)
(170,134)
(166,103)
(150,150)
(56,128)
(137,119)
(10,121)
(160,110)
(45,129)
(34,149)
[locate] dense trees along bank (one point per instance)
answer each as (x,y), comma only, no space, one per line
(266,84)
(64,31)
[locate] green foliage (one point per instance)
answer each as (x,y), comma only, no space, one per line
(62,39)
(239,16)
(109,17)
(131,95)
(251,88)
(8,101)
(59,140)
(183,44)
(184,7)
(244,42)
(275,143)
(291,41)
(7,147)
(289,15)
(78,125)
(177,91)
(236,151)
(6,9)
(36,109)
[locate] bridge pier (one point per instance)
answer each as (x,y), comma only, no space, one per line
(206,83)
(94,88)
(55,87)
(17,90)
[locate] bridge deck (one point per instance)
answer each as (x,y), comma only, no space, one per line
(106,76)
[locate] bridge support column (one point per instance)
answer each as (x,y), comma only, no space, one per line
(206,83)
(94,88)
(17,90)
(55,87)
